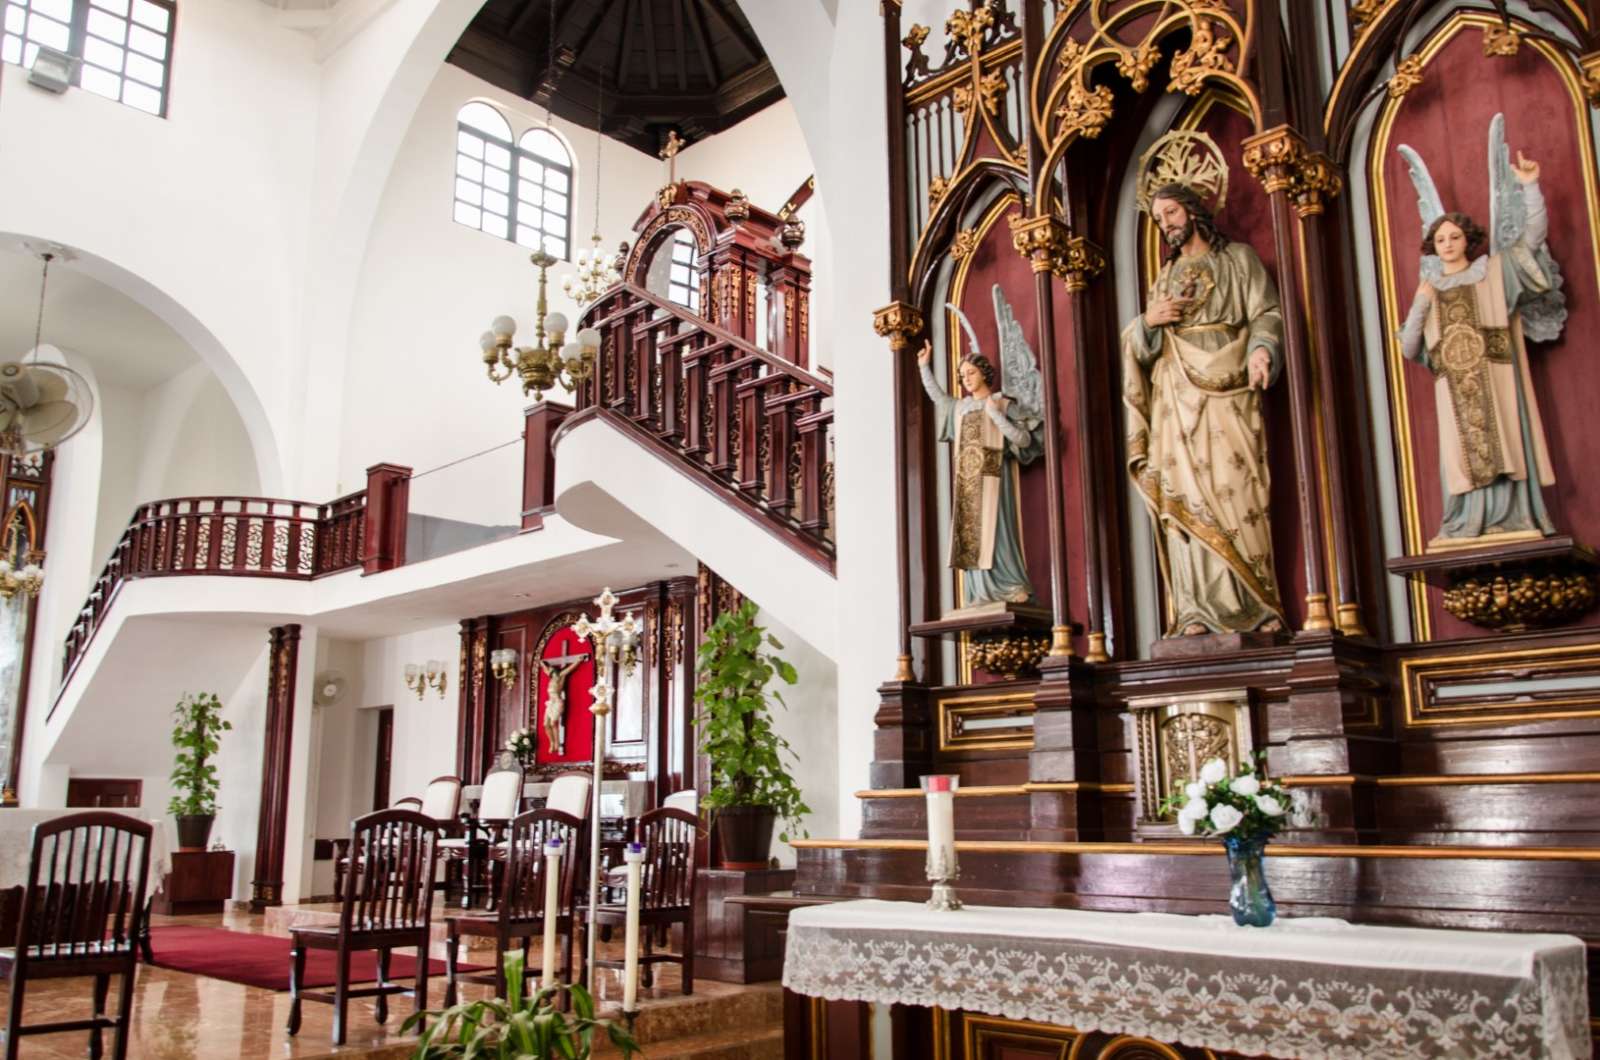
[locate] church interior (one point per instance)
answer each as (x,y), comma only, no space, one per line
(822,529)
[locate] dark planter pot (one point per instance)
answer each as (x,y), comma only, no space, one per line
(745,835)
(194,830)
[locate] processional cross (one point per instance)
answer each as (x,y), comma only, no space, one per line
(669,151)
(555,699)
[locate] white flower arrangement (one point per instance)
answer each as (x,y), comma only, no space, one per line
(523,744)
(1246,806)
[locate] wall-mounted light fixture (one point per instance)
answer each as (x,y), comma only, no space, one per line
(419,679)
(503,662)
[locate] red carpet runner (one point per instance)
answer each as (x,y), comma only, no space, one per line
(263,960)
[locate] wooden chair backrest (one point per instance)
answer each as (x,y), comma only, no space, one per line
(501,798)
(441,799)
(86,884)
(390,883)
(410,802)
(526,873)
(570,792)
(668,837)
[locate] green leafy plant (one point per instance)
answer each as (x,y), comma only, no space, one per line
(197,724)
(735,719)
(520,1026)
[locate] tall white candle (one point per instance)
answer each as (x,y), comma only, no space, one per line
(941,824)
(552,907)
(634,856)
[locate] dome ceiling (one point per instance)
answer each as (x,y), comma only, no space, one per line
(690,65)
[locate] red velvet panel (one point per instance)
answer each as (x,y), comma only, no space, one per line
(1446,119)
(580,722)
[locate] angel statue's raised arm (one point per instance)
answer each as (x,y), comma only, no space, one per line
(1482,295)
(992,433)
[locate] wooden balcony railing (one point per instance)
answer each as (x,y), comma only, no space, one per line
(228,536)
(753,427)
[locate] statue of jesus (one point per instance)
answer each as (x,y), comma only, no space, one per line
(1195,363)
(555,703)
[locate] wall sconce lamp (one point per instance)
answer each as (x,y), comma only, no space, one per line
(419,679)
(503,661)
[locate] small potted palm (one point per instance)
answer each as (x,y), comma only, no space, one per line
(751,789)
(197,725)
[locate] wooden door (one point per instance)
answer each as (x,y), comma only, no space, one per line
(385,759)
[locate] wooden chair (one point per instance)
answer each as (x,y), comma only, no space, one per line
(441,799)
(341,846)
(387,903)
(82,915)
(666,895)
(520,912)
(500,802)
(569,793)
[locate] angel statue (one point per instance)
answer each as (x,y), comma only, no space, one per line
(1471,316)
(992,432)
(1194,364)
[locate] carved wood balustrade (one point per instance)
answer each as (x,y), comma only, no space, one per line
(228,536)
(754,428)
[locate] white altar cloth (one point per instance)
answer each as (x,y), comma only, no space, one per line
(1311,987)
(16,843)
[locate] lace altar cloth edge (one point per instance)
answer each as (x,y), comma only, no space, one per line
(1041,967)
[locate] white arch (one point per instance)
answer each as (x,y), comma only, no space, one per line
(215,356)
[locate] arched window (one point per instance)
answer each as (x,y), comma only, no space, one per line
(544,192)
(683,275)
(483,169)
(125,45)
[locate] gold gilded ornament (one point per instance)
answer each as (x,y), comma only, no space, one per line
(1185,157)
(1407,75)
(1007,654)
(1513,600)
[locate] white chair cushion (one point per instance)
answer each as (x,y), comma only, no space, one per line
(441,800)
(569,795)
(687,800)
(502,796)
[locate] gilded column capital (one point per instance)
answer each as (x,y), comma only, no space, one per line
(1042,240)
(899,322)
(1589,77)
(1083,262)
(1316,180)
(1273,157)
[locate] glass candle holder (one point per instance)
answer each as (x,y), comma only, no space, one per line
(943,869)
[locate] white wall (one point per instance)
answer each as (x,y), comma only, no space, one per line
(425,729)
(810,725)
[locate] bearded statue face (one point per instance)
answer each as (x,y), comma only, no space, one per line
(1172,217)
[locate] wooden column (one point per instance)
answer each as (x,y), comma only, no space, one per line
(26,484)
(388,500)
(789,302)
(469,709)
(540,423)
(1273,157)
(272,824)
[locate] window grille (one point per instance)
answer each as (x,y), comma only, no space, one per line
(125,45)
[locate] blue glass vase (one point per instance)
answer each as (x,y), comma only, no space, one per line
(1249,897)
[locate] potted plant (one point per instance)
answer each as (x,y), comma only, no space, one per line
(196,727)
(519,1026)
(1245,811)
(750,787)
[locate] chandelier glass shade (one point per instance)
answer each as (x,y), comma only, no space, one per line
(596,273)
(550,361)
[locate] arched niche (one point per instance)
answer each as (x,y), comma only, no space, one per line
(1445,117)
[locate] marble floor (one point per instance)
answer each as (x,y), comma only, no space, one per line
(177,1016)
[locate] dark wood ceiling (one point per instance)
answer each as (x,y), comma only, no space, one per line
(690,65)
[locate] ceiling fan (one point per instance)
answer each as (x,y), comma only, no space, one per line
(42,404)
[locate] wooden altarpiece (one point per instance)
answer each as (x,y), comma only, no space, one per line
(1435,789)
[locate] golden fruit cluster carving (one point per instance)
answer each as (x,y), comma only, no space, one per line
(900,323)
(1007,654)
(1513,600)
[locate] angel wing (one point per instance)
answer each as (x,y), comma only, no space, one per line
(1428,203)
(966,325)
(1019,369)
(1544,314)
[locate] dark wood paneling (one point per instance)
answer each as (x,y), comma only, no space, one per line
(102,792)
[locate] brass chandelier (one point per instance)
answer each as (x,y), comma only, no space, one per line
(548,362)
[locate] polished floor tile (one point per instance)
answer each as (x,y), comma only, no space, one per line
(177,1016)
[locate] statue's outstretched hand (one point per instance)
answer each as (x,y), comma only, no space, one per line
(925,354)
(1527,169)
(1260,368)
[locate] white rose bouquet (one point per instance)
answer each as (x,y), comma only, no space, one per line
(524,745)
(1243,807)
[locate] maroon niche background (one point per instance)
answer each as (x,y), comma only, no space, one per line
(1446,119)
